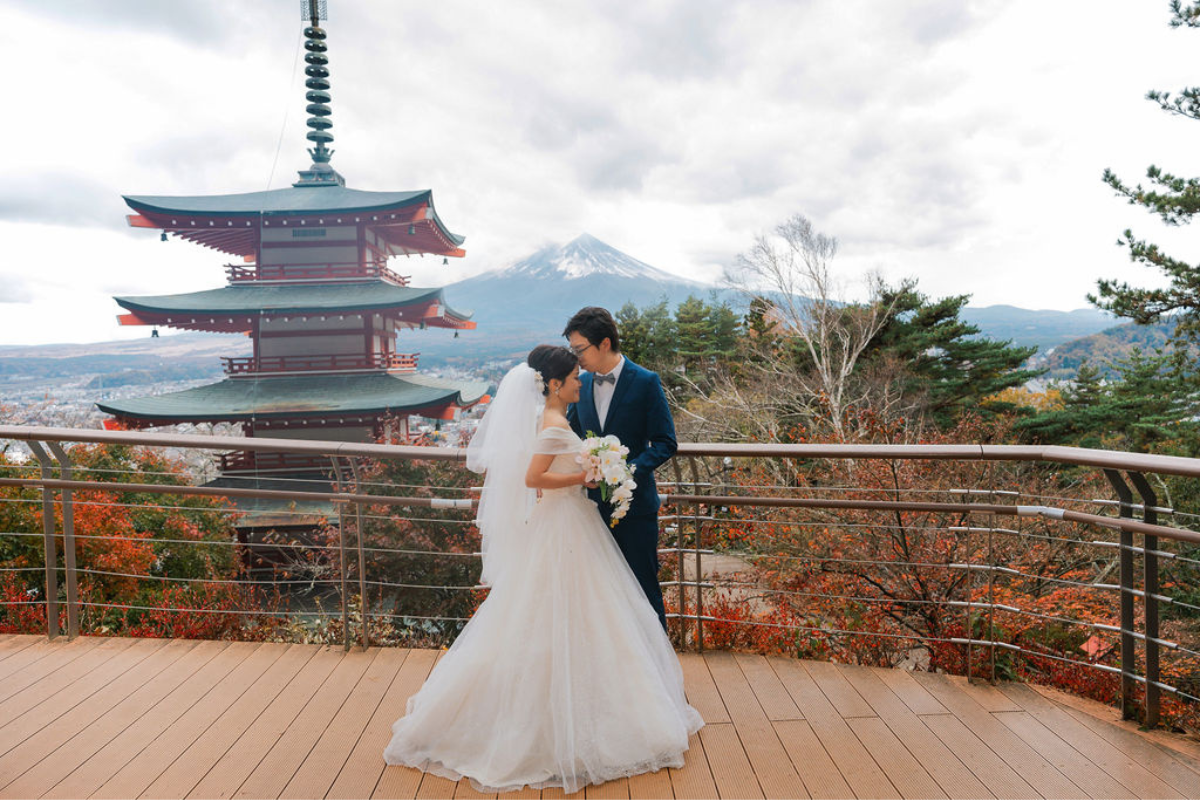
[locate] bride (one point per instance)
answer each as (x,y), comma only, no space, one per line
(564,676)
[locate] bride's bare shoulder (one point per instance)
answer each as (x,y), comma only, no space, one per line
(553,420)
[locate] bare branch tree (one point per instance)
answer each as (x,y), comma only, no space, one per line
(791,267)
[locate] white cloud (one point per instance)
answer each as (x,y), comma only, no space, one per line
(956,141)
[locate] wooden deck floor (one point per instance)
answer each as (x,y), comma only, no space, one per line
(175,719)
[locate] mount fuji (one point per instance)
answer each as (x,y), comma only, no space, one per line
(528,302)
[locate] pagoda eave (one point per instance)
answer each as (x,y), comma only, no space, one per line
(406,221)
(351,397)
(234,309)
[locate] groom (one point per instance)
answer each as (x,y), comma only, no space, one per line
(621,399)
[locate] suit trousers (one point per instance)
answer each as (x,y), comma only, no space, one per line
(637,536)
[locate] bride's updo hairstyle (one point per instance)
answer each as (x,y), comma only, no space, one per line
(553,362)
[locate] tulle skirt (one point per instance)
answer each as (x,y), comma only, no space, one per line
(563,677)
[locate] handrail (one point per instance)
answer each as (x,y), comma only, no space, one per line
(1076,456)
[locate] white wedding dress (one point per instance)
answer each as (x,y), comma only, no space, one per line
(564,676)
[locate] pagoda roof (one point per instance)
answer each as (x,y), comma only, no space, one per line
(231,222)
(296,397)
(295,200)
(238,302)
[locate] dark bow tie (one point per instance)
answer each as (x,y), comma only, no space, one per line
(606,378)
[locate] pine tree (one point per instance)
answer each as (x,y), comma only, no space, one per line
(1175,200)
(943,355)
(1151,406)
(648,335)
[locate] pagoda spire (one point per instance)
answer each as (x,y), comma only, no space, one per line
(318,97)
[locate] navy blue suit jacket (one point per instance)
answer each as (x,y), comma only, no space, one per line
(639,416)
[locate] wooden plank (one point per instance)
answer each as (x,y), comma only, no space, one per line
(820,775)
(1176,767)
(652,785)
(857,767)
(464,789)
(11,643)
(914,695)
(178,759)
(904,771)
(49,668)
(776,776)
(776,703)
(986,695)
(841,694)
(992,770)
(60,717)
(954,777)
(152,731)
(1040,775)
(434,787)
(1110,720)
(90,664)
(294,745)
(319,770)
(701,692)
(360,772)
(618,789)
(38,650)
(1107,757)
(1082,772)
(367,758)
(730,768)
(694,779)
(113,724)
(243,753)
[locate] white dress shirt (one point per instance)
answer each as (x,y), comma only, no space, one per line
(603,392)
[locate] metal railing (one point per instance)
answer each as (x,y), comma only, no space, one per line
(934,563)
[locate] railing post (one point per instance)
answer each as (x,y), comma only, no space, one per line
(697,544)
(50,547)
(1128,652)
(991,560)
(337,472)
(1150,556)
(68,524)
(362,561)
(679,556)
(969,596)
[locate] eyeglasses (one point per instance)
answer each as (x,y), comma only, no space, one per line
(578,351)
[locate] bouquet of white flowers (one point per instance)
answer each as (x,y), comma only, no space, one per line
(604,460)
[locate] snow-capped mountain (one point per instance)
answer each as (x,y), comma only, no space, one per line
(585,256)
(528,302)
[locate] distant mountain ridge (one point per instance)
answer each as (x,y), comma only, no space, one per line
(1104,349)
(516,307)
(1044,329)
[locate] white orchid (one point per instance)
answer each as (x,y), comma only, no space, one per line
(603,459)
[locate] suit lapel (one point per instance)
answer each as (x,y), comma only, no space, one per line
(618,392)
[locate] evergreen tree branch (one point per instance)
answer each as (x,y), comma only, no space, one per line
(1175,205)
(1185,104)
(1145,306)
(1185,16)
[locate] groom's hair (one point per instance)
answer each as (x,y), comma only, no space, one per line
(594,324)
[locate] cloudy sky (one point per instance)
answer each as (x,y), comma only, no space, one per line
(959,142)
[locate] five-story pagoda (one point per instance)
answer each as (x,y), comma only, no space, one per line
(316,297)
